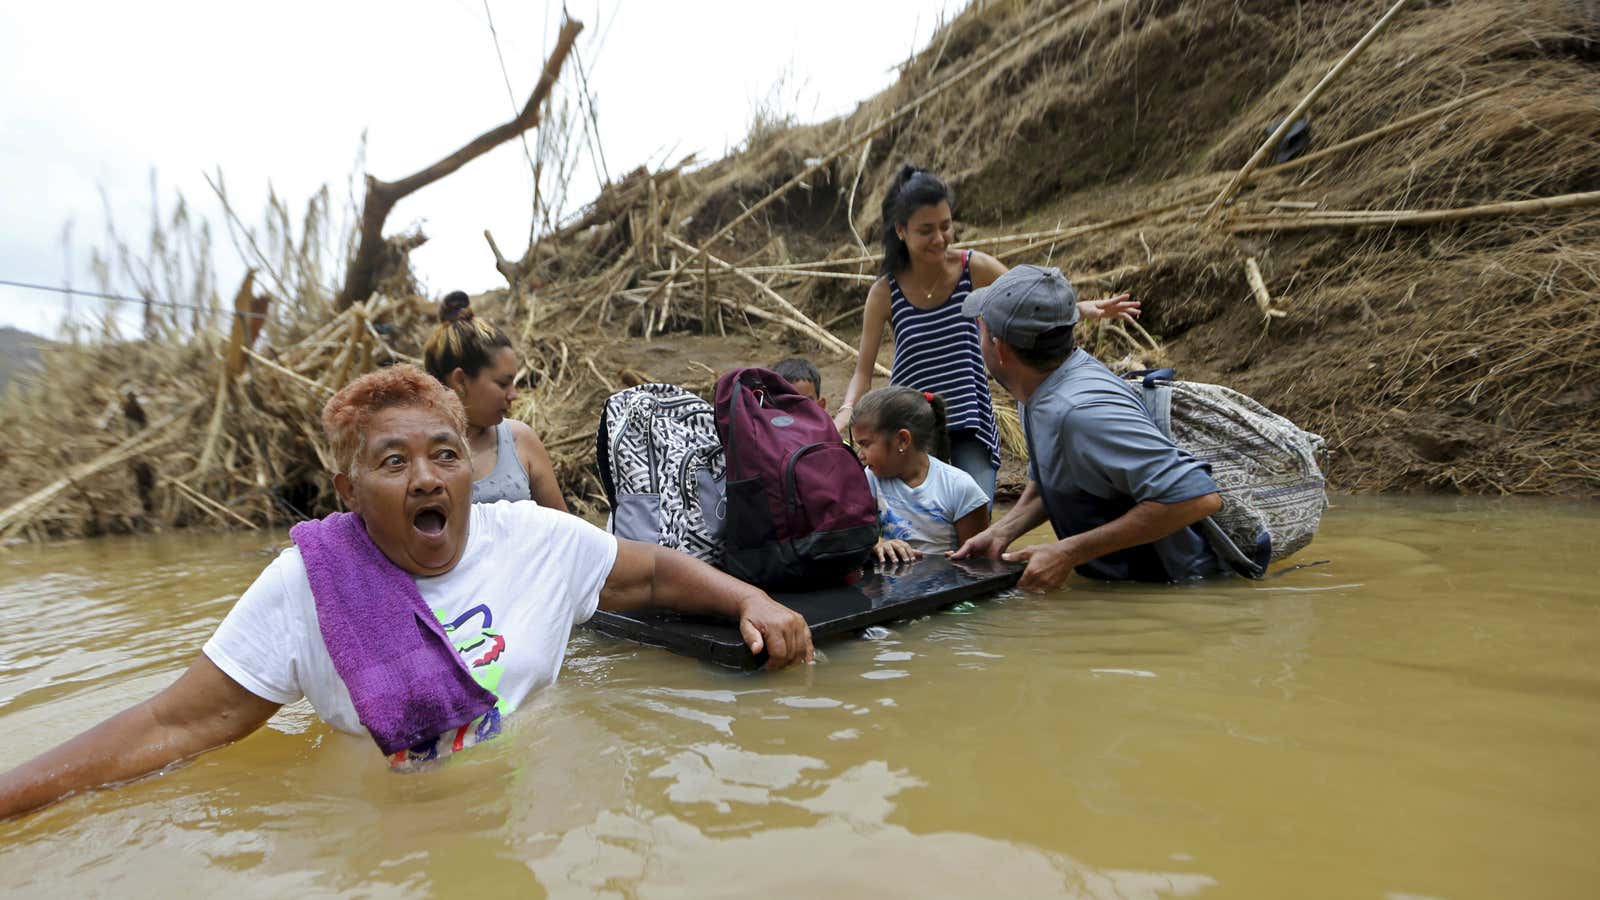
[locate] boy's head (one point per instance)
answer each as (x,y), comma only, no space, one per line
(805,378)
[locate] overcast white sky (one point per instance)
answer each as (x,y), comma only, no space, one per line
(94,95)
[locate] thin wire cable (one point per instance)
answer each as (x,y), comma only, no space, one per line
(104,296)
(591,135)
(511,96)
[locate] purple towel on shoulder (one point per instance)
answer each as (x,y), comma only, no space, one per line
(407,681)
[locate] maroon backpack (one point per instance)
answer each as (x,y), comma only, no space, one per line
(799,512)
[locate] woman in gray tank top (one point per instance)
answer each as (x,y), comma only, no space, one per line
(475,359)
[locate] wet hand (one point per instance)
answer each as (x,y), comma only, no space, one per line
(895,552)
(1048,565)
(985,544)
(1121,308)
(766,624)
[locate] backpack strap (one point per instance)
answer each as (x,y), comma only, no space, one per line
(1155,391)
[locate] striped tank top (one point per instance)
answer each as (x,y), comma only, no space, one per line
(937,350)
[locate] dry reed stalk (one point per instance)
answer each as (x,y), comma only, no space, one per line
(1213,212)
(797,320)
(319,390)
(1116,274)
(707,308)
(610,388)
(1364,218)
(850,204)
(850,313)
(781,270)
(208,505)
(1036,239)
(879,127)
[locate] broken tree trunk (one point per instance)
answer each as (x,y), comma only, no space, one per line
(362,274)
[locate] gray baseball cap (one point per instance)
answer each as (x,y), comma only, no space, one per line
(1024,303)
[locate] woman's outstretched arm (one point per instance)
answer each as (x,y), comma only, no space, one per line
(875,319)
(202,710)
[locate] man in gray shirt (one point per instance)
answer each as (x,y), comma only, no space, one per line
(1120,495)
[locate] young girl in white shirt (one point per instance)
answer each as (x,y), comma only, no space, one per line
(925,505)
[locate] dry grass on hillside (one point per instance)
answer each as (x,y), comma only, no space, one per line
(1454,355)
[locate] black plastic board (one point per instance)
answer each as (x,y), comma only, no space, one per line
(880,596)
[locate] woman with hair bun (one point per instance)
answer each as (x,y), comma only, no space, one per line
(936,348)
(472,357)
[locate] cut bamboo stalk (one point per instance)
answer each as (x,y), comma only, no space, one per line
(1035,238)
(706,305)
(957,77)
(800,321)
(1107,275)
(777,270)
(1364,218)
(1258,286)
(1214,211)
(845,316)
(850,204)
(1370,136)
(1080,230)
(208,505)
(606,382)
(308,384)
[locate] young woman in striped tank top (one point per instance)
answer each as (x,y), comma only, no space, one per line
(935,347)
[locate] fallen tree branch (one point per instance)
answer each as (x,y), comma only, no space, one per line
(1354,218)
(1213,212)
(361,275)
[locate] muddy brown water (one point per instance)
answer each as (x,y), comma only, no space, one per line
(1420,718)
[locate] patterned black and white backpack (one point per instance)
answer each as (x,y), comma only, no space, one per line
(1267,468)
(662,468)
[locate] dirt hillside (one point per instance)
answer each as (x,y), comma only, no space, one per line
(1436,350)
(1456,356)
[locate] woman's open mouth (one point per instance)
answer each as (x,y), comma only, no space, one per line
(430,520)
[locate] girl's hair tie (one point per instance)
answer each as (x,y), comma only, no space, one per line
(928,396)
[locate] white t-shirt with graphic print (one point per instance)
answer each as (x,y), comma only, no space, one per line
(925,516)
(526,577)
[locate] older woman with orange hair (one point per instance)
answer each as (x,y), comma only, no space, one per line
(473,358)
(419,618)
